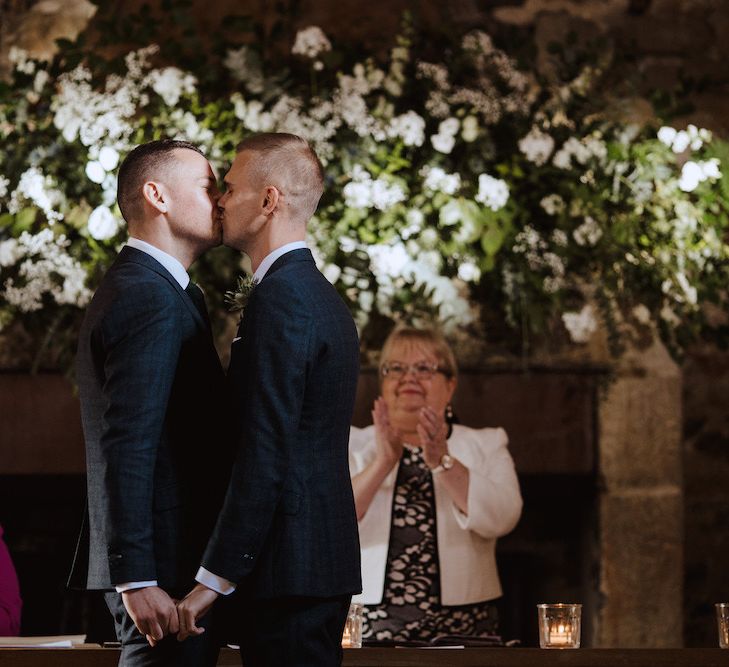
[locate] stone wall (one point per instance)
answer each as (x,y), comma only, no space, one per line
(706,466)
(641,504)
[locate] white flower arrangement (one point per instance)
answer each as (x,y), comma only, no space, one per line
(451,192)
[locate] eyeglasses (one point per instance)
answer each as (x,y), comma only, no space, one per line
(422,370)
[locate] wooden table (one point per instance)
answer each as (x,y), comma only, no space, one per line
(389,657)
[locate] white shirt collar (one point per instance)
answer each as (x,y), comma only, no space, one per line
(168,261)
(268,261)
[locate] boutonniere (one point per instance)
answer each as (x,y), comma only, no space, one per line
(237,299)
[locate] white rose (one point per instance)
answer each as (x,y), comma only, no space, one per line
(449,126)
(102,224)
(108,158)
(493,192)
(9,252)
(469,272)
(332,272)
(415,217)
(95,172)
(691,176)
(429,237)
(450,214)
(357,195)
(443,143)
(681,142)
(710,168)
(666,135)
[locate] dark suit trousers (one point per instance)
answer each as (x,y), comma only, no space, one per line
(293,632)
(200,651)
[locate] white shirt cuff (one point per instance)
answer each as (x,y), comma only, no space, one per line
(131,585)
(214,582)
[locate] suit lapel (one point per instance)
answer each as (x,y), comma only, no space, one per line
(134,256)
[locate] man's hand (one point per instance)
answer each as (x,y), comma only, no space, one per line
(196,604)
(153,612)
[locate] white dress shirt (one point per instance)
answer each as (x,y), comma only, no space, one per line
(205,577)
(168,261)
(180,275)
(269,259)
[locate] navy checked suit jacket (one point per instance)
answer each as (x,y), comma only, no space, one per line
(158,453)
(288,525)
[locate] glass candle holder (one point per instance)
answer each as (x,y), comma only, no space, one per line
(722,623)
(559,625)
(352,635)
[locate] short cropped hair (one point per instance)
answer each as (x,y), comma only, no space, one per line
(427,339)
(146,162)
(289,163)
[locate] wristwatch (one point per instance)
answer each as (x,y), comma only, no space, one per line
(446,463)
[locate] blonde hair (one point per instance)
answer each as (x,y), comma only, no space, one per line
(289,163)
(429,339)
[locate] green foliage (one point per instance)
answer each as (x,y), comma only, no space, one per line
(475,195)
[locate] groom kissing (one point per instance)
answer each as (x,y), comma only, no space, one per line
(287,532)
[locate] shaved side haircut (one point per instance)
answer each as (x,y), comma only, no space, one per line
(146,162)
(290,164)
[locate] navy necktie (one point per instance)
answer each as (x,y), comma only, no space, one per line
(195,293)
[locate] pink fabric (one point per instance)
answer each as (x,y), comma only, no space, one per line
(10,602)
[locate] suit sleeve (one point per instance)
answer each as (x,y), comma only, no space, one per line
(267,377)
(141,341)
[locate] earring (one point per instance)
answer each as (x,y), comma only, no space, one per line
(449,413)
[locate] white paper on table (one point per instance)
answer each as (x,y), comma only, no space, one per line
(55,641)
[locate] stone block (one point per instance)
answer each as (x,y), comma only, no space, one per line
(640,425)
(599,11)
(666,33)
(641,535)
(661,72)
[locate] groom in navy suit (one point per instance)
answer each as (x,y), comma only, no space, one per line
(287,533)
(152,404)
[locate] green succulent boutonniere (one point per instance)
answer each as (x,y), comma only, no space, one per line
(237,299)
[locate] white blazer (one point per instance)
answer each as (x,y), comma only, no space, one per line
(465,542)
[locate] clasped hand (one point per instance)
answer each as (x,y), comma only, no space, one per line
(157,615)
(431,428)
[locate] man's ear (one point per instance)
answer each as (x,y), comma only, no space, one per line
(271,196)
(152,193)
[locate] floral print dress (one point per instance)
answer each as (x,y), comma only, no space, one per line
(410,609)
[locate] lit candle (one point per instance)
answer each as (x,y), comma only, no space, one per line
(346,637)
(560,635)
